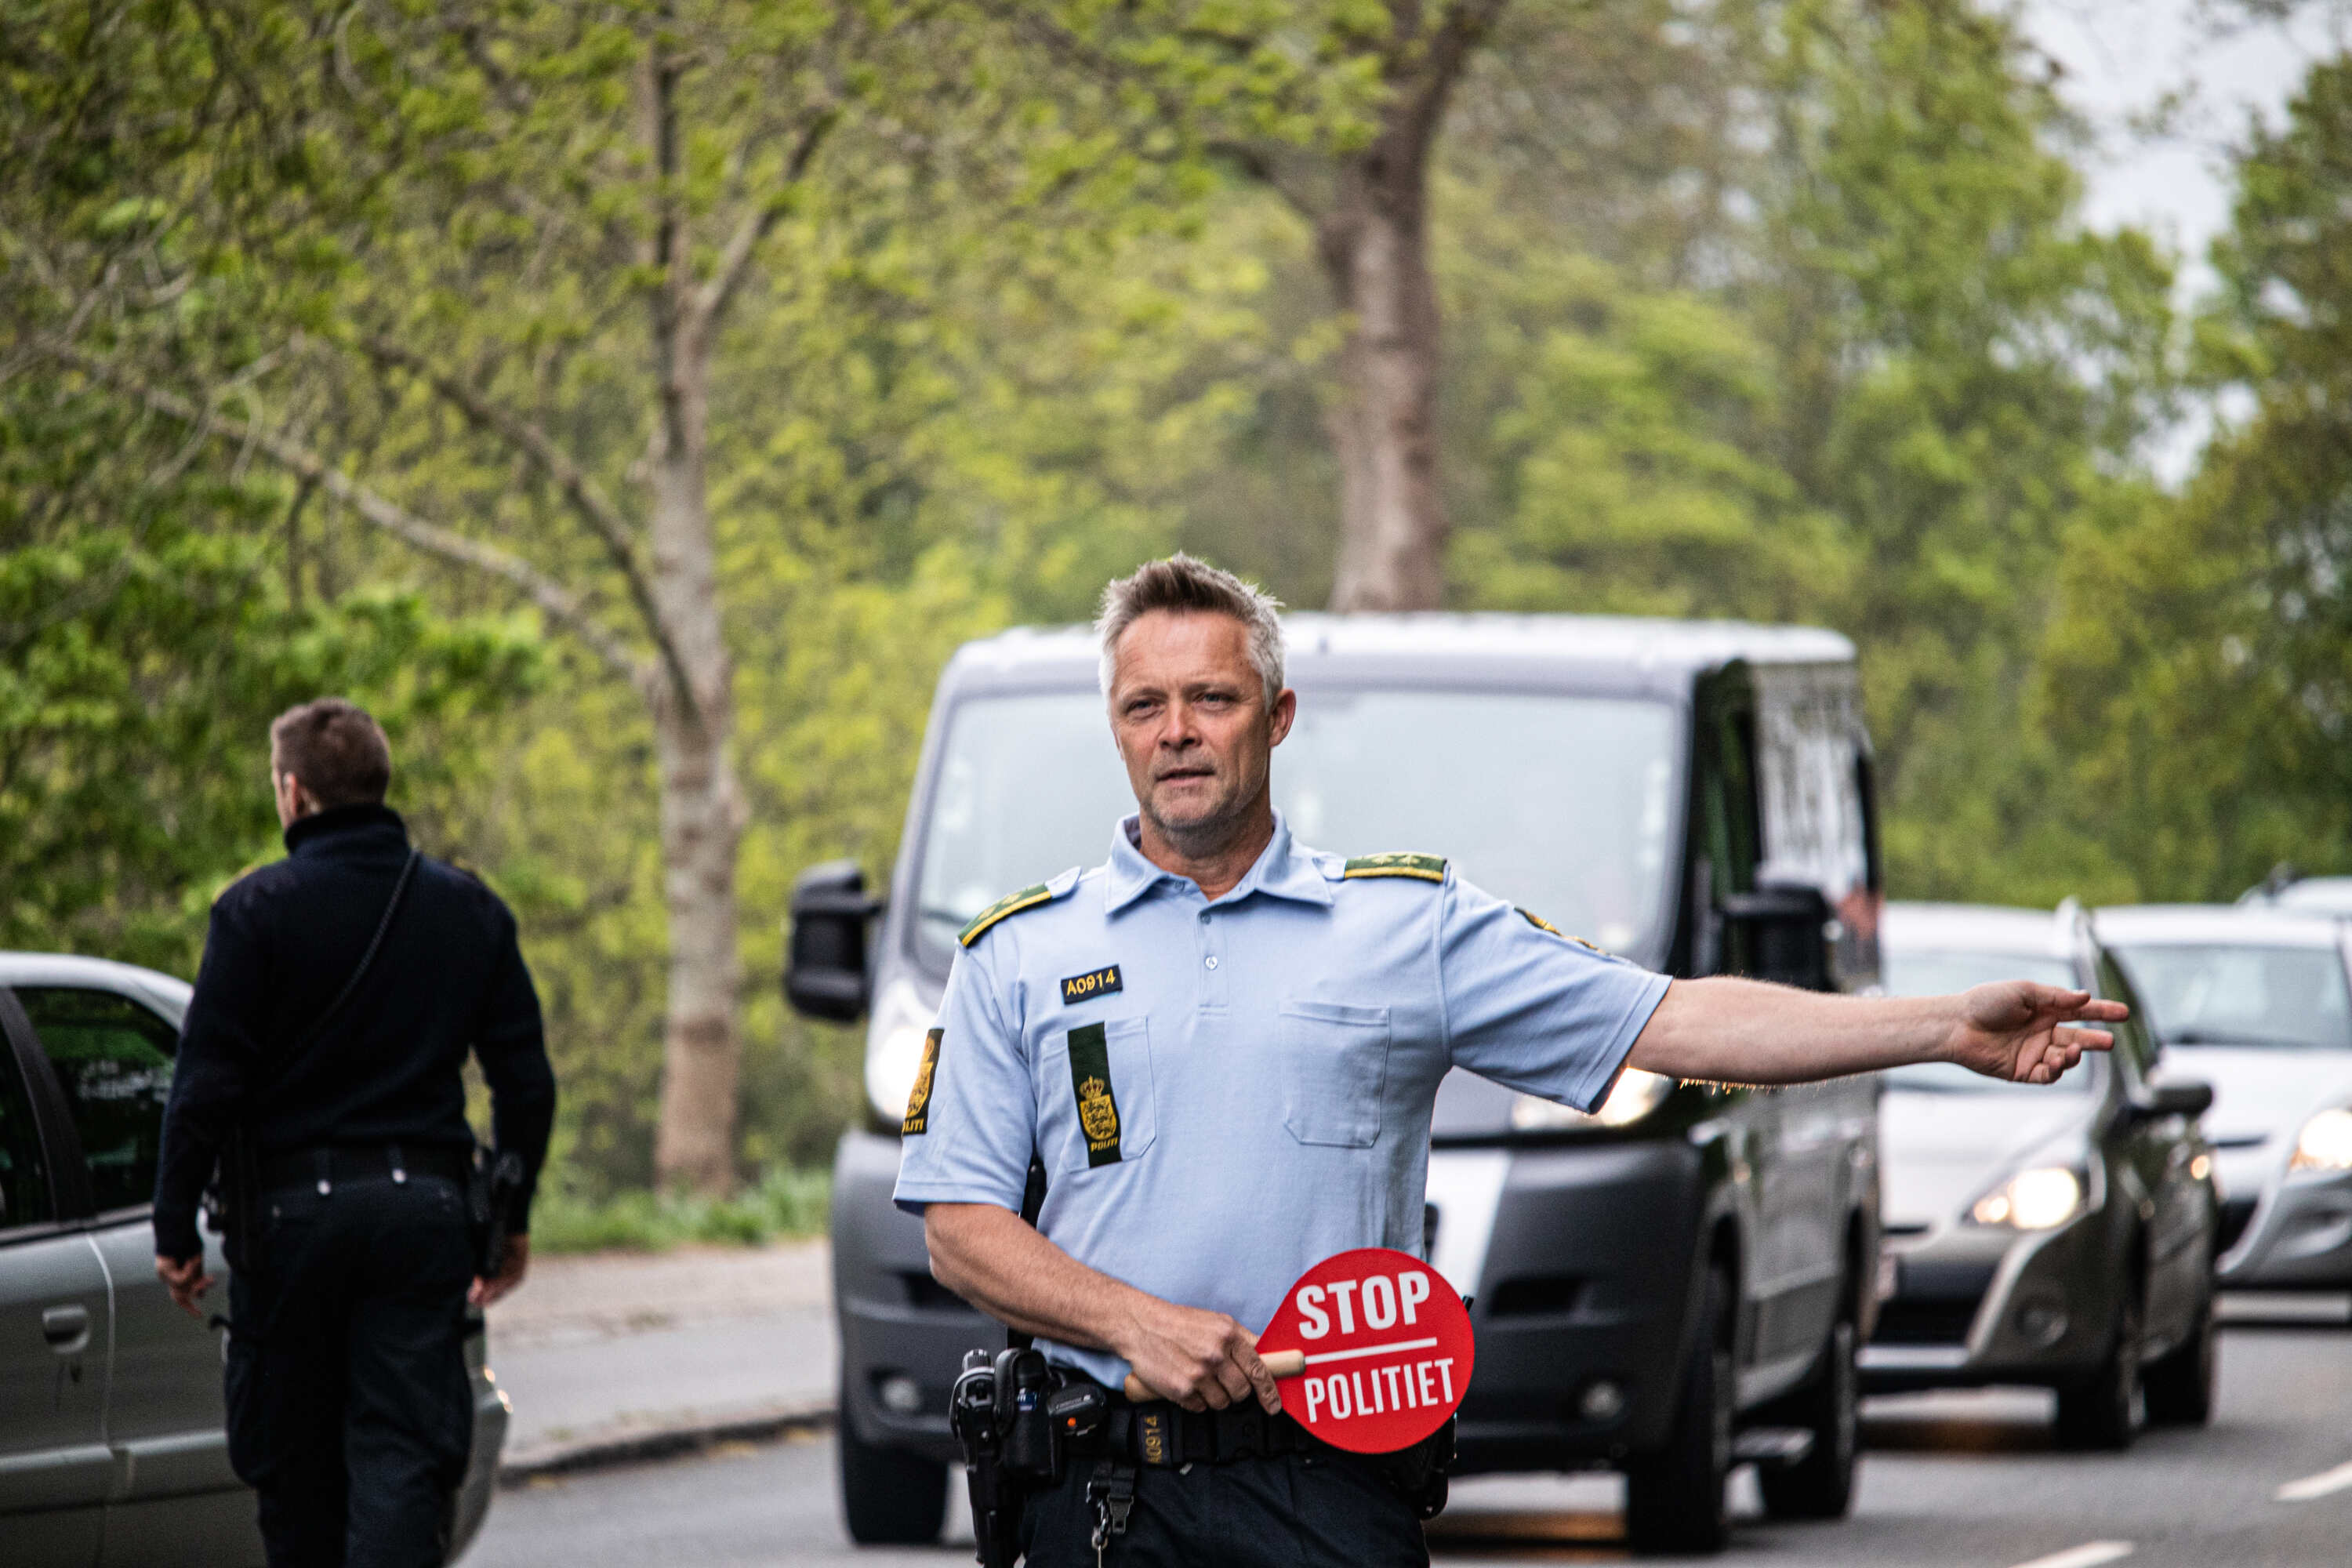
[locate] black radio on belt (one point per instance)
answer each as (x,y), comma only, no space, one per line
(1004,1413)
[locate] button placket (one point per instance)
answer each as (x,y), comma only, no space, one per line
(1212,961)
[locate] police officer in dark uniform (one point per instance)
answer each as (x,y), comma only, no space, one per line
(319,1070)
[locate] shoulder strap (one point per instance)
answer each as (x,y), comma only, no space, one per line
(367,961)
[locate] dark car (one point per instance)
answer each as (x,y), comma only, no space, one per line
(112,1449)
(2063,1235)
(1667,1286)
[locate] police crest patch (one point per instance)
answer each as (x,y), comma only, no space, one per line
(918,1098)
(1097,1102)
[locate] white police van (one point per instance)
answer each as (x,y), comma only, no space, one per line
(1669,1287)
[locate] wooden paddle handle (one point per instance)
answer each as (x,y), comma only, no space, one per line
(1282,1363)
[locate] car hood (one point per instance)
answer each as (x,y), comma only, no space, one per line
(2259,1093)
(1939,1153)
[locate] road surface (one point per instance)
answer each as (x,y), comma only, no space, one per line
(1951,1482)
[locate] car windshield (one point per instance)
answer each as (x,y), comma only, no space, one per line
(1939,972)
(1563,804)
(2243,994)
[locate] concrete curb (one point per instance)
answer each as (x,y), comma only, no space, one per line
(635,1445)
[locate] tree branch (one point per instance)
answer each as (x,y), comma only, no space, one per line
(710,301)
(579,491)
(556,601)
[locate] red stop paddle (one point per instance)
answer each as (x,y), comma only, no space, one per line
(1372,1351)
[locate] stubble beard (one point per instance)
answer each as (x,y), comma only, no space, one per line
(1210,834)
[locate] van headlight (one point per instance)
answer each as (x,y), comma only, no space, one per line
(894,1049)
(2039,1199)
(1637,1094)
(2325,1143)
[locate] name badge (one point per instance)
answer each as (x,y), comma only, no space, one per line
(1102,981)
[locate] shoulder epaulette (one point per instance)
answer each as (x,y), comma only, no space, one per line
(1427,868)
(1013,903)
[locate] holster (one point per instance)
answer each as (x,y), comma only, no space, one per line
(493,1182)
(232,1200)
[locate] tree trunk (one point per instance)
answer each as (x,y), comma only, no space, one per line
(1374,240)
(701,808)
(1383,420)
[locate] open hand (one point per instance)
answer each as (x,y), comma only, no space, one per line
(2012,1030)
(186,1281)
(1201,1360)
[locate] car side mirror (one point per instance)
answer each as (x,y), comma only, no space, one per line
(2185,1100)
(1788,938)
(824,963)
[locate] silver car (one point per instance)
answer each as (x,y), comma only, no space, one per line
(2062,1236)
(112,1450)
(2256,1001)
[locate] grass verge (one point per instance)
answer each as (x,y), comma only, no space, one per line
(784,1204)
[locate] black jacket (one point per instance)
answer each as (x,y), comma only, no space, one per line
(283,941)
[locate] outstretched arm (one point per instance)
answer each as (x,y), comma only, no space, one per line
(1744,1031)
(992,1259)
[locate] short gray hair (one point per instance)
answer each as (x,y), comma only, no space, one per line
(1183,582)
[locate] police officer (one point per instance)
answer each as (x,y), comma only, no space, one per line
(340,990)
(1224,1047)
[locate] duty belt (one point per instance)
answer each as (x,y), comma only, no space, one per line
(329,1164)
(1163,1436)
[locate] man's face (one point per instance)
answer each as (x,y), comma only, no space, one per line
(1189,711)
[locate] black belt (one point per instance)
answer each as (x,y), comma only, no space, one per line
(364,1162)
(1163,1434)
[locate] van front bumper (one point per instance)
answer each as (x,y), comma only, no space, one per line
(1586,1281)
(900,1331)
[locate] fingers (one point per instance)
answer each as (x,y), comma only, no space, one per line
(2101,1012)
(1269,1397)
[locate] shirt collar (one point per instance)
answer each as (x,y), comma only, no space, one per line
(1280,871)
(338,827)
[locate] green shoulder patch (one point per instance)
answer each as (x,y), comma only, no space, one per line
(1427,868)
(1011,904)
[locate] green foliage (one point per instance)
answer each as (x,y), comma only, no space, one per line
(2204,666)
(783,1205)
(149,637)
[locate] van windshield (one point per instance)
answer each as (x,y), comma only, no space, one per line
(1563,804)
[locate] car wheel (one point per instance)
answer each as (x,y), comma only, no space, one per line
(1820,1485)
(2180,1387)
(1675,1496)
(2107,1410)
(888,1496)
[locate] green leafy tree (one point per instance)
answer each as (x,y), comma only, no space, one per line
(2204,669)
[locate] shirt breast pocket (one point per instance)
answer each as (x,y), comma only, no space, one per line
(1335,1068)
(1099,1094)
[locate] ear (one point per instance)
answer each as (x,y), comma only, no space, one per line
(1279,718)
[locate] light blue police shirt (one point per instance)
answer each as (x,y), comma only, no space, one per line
(1225,1093)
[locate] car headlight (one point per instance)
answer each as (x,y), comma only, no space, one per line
(2325,1143)
(1637,1094)
(2038,1199)
(894,1050)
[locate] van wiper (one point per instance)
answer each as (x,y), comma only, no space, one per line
(2231,1037)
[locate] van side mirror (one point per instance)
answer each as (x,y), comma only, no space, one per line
(2185,1100)
(1787,931)
(824,963)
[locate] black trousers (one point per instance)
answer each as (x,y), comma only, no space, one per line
(1303,1511)
(349,1408)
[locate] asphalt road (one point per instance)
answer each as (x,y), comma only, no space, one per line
(1951,1482)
